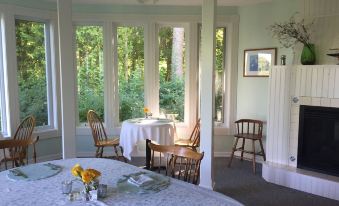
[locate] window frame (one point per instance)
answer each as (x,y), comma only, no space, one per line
(228,113)
(48,68)
(4,129)
(223,115)
(115,26)
(79,124)
(185,25)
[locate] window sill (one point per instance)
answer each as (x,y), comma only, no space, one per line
(46,133)
(43,134)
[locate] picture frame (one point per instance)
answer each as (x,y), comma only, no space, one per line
(257,62)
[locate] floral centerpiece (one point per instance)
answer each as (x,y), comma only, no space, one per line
(147,112)
(88,177)
(292,32)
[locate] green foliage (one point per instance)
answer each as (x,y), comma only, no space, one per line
(219,69)
(89,53)
(131,72)
(172,87)
(30,49)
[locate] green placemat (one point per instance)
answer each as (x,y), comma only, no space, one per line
(34,172)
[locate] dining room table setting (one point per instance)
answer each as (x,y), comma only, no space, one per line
(159,130)
(99,181)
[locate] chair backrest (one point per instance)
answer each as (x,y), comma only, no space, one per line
(25,129)
(98,130)
(181,162)
(249,126)
(16,150)
(195,135)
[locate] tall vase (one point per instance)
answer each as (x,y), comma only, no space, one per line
(308,55)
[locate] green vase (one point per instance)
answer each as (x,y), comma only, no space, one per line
(308,55)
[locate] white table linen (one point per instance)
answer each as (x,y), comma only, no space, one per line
(134,130)
(48,191)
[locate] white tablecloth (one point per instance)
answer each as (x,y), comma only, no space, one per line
(134,130)
(47,192)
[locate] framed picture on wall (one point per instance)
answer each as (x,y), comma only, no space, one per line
(257,62)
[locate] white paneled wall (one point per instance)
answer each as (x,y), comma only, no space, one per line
(290,87)
(316,85)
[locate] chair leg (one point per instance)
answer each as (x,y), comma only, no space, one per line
(262,150)
(116,152)
(242,147)
(122,153)
(97,152)
(233,150)
(253,160)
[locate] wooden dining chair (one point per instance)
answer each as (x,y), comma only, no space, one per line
(248,129)
(180,162)
(194,141)
(14,148)
(100,138)
(23,132)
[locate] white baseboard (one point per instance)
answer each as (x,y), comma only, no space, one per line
(222,154)
(46,158)
(259,159)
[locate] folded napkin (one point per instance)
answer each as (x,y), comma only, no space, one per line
(140,180)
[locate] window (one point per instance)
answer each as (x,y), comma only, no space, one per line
(32,45)
(219,73)
(90,71)
(131,71)
(172,71)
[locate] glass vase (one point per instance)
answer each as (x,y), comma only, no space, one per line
(308,55)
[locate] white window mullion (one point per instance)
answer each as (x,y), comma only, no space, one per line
(110,113)
(49,89)
(2,89)
(115,77)
(191,83)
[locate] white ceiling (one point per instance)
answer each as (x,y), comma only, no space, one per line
(167,2)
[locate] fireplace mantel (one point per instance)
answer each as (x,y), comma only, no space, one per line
(290,87)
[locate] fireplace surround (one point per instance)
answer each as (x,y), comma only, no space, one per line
(292,89)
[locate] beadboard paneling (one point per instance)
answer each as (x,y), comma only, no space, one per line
(316,85)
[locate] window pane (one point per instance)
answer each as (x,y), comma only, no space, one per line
(90,73)
(31,58)
(219,74)
(172,71)
(131,72)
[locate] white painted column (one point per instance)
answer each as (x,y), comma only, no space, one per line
(207,88)
(67,78)
(11,72)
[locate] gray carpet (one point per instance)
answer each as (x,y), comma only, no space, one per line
(241,184)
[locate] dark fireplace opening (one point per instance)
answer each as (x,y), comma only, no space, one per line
(318,145)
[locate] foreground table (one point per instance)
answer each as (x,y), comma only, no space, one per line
(48,192)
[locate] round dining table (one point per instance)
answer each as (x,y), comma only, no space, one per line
(158,130)
(47,192)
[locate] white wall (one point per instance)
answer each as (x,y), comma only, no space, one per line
(252,94)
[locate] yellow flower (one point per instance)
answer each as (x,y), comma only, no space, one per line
(94,173)
(86,176)
(77,170)
(146,110)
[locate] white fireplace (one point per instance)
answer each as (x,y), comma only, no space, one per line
(290,87)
